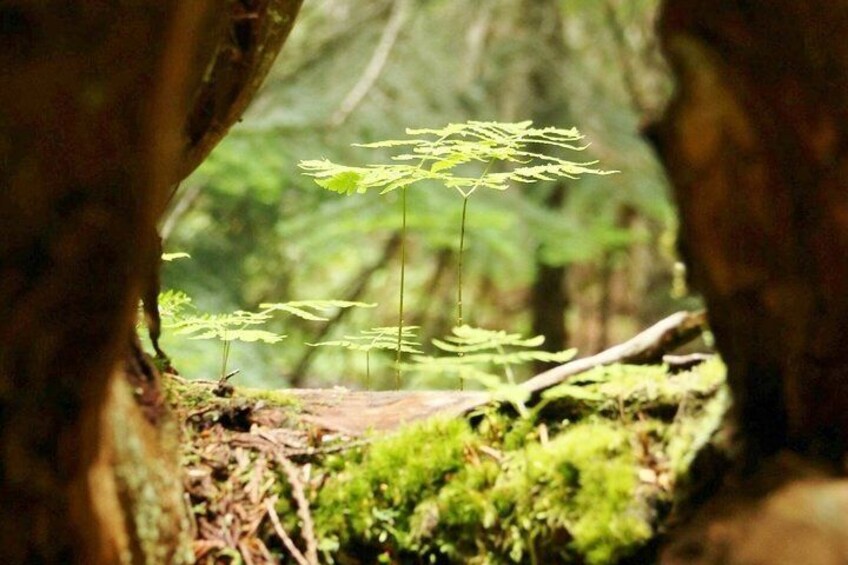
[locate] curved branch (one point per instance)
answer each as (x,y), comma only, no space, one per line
(375,66)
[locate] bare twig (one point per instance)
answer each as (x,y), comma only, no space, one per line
(308,528)
(281,533)
(181,202)
(646,347)
(625,57)
(375,65)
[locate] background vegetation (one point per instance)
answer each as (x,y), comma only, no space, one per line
(584,262)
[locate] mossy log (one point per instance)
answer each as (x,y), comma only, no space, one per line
(586,476)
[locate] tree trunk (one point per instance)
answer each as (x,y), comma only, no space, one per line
(89,119)
(755,143)
(548,296)
(92,135)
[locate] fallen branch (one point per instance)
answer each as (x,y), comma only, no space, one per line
(307,529)
(644,348)
(281,533)
(375,65)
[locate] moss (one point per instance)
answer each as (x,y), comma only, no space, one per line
(277,398)
(147,484)
(190,395)
(372,499)
(584,478)
(436,489)
(635,389)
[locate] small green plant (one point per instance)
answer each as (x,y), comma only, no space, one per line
(168,257)
(241,325)
(474,352)
(377,338)
(446,156)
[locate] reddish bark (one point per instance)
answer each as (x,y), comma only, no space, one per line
(755,144)
(94,101)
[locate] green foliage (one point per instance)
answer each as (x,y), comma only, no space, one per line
(281,238)
(382,338)
(240,325)
(475,351)
(440,153)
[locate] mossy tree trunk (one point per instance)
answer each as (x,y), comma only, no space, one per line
(93,134)
(756,144)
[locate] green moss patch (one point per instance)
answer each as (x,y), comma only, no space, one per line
(587,476)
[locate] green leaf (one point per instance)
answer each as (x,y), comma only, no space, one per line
(346,182)
(251,336)
(168,257)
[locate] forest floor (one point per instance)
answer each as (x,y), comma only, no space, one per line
(584,472)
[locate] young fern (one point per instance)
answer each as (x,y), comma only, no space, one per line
(445,155)
(240,325)
(377,338)
(473,352)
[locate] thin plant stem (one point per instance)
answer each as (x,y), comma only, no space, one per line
(402,283)
(367,370)
(465,196)
(510,376)
(461,252)
(225,355)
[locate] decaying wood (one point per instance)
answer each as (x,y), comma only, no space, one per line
(356,412)
(645,348)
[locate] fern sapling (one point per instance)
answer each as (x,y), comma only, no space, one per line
(377,338)
(445,155)
(473,352)
(240,325)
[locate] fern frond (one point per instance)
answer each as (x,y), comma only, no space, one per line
(474,350)
(383,338)
(455,145)
(467,339)
(306,309)
(168,257)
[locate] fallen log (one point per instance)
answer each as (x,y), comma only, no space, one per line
(357,412)
(419,492)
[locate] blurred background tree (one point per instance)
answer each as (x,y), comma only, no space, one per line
(584,263)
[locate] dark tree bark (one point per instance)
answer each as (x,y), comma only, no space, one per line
(94,101)
(548,296)
(755,141)
(89,119)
